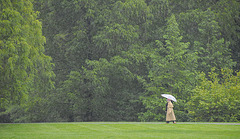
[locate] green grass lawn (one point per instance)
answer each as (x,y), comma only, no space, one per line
(119,130)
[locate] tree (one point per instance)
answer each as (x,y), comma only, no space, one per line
(216,97)
(103,91)
(26,72)
(102,47)
(172,71)
(201,29)
(100,36)
(227,13)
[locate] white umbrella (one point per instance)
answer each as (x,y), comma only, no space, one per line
(169,97)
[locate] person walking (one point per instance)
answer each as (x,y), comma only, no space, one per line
(170,116)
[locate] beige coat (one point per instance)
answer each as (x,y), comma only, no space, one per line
(170,114)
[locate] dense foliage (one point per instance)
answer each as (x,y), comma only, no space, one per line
(26,72)
(114,58)
(216,99)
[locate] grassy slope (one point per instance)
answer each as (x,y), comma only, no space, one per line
(118,130)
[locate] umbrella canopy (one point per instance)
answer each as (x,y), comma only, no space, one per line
(169,97)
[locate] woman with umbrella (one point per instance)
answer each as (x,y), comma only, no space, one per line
(170,116)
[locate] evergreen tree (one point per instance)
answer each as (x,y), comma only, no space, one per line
(172,72)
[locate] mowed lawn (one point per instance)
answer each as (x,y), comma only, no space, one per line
(124,130)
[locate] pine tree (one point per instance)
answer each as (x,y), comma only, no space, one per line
(172,72)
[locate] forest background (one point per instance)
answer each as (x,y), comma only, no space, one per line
(110,60)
